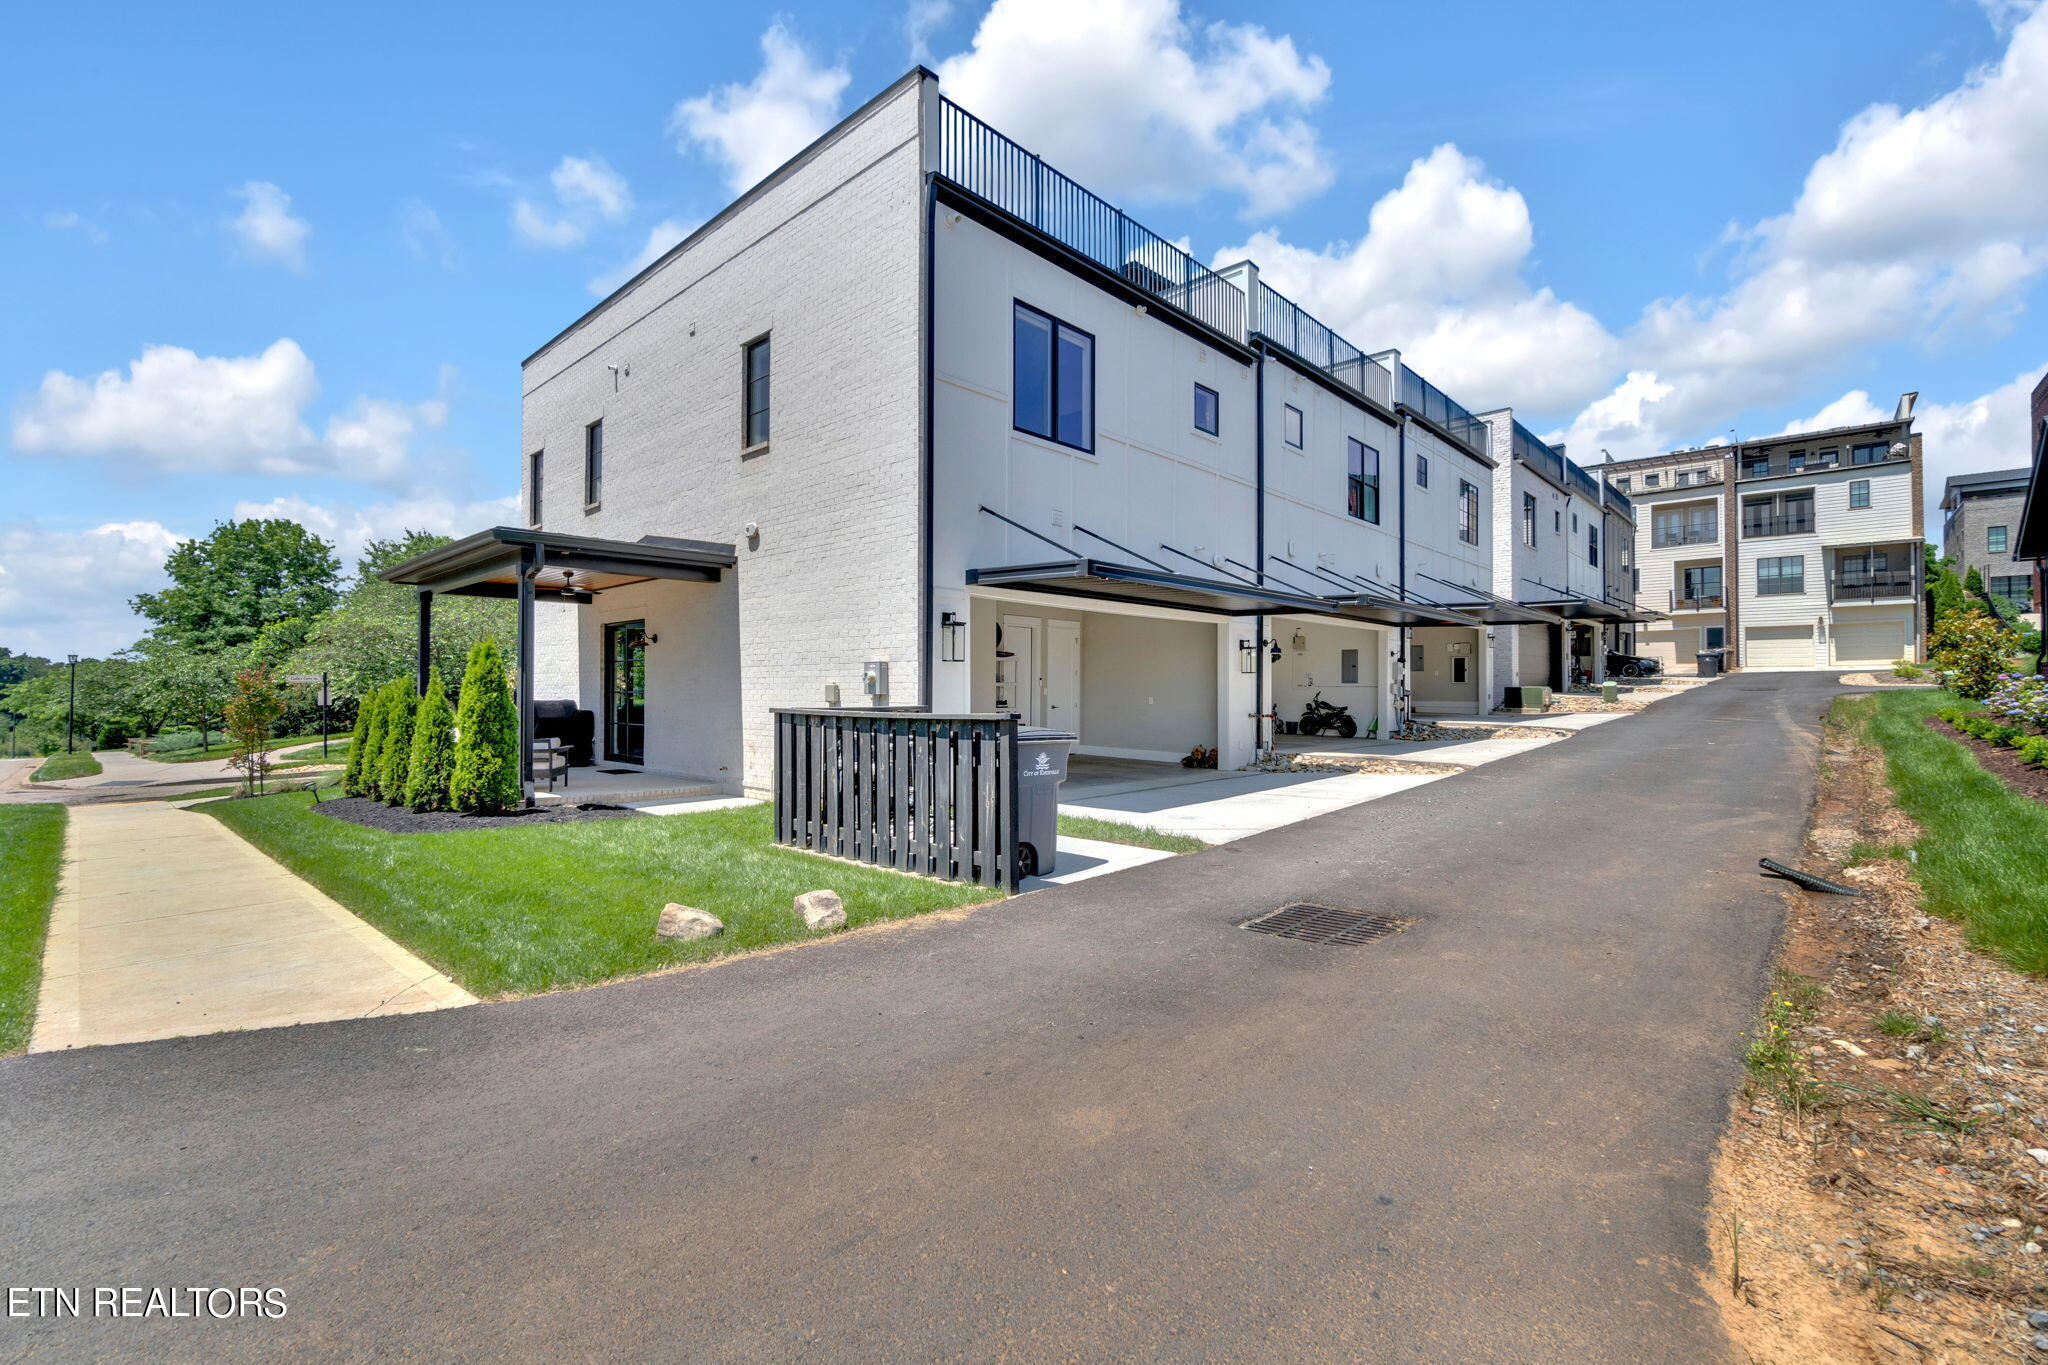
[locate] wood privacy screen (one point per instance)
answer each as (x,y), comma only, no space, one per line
(931,794)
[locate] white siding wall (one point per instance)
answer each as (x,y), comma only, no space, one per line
(1888,520)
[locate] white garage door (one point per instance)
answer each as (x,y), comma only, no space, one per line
(1672,648)
(1869,643)
(1532,655)
(1778,647)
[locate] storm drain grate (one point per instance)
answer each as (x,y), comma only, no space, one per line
(1311,923)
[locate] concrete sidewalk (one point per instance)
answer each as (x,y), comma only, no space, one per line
(168,924)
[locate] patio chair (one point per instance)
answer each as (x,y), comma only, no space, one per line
(551,756)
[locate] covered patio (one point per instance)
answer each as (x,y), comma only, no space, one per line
(530,567)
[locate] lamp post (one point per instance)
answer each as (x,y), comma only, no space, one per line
(71,706)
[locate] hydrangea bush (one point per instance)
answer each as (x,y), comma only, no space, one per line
(2020,699)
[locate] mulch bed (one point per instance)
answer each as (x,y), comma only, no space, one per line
(359,810)
(2022,776)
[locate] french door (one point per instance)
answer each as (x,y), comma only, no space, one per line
(625,692)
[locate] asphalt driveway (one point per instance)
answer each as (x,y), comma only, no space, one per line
(1096,1123)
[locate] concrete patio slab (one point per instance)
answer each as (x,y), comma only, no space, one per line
(1233,805)
(168,924)
(1080,859)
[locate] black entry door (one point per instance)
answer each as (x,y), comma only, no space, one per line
(625,692)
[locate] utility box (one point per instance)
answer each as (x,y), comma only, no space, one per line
(874,679)
(1526,699)
(1041,767)
(1610,692)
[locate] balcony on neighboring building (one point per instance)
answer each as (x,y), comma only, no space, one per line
(1859,455)
(1698,599)
(1663,536)
(1874,573)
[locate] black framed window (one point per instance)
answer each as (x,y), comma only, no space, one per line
(1362,480)
(1421,470)
(754,372)
(1994,540)
(1717,637)
(1468,512)
(1756,466)
(1652,480)
(1052,378)
(1290,425)
(1684,477)
(533,488)
(2017,589)
(1781,576)
(1207,409)
(1859,492)
(593,466)
(1593,545)
(1703,583)
(1529,520)
(1869,454)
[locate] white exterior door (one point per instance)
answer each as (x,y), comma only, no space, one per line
(1063,675)
(1017,675)
(1869,644)
(1778,647)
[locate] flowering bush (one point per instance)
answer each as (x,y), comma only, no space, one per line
(2020,699)
(1972,651)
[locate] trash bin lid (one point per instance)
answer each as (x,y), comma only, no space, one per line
(1038,734)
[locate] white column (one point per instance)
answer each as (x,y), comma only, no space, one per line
(1236,696)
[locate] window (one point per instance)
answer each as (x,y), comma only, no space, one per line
(1693,525)
(1703,585)
(1756,466)
(1859,492)
(2017,589)
(1347,665)
(1053,379)
(754,395)
(1783,575)
(1362,480)
(1717,637)
(1870,454)
(1784,515)
(1290,425)
(1529,519)
(1684,477)
(593,466)
(1994,540)
(1593,545)
(1652,480)
(1468,512)
(533,469)
(1795,462)
(1575,523)
(1620,485)
(1421,470)
(1206,405)
(1557,521)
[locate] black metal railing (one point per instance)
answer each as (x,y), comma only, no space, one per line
(1663,536)
(1620,502)
(1681,600)
(1433,404)
(990,166)
(1533,451)
(1864,587)
(1284,322)
(1793,525)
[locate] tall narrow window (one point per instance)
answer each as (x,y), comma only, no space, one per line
(1053,379)
(1994,540)
(1206,414)
(593,466)
(1362,480)
(755,383)
(1859,492)
(1421,470)
(1468,512)
(533,504)
(1593,545)
(1290,425)
(1529,520)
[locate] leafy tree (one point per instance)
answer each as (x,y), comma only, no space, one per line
(251,713)
(226,589)
(432,768)
(394,759)
(17,668)
(372,635)
(1972,650)
(359,747)
(487,775)
(184,686)
(104,716)
(371,775)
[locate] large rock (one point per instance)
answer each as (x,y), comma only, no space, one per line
(685,923)
(821,910)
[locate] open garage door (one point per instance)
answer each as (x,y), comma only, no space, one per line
(1533,655)
(1777,647)
(1671,648)
(1870,644)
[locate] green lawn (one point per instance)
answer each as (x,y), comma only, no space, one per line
(31,843)
(512,911)
(1116,832)
(227,750)
(57,767)
(1983,860)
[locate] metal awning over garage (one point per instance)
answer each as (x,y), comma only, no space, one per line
(1579,609)
(1392,611)
(1112,582)
(1491,608)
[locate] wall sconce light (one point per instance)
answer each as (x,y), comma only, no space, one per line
(1276,650)
(1247,656)
(952,638)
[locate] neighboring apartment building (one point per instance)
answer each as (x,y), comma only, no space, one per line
(1980,530)
(917,421)
(1796,551)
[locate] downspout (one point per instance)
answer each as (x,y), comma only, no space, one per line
(926,683)
(1259,545)
(1401,703)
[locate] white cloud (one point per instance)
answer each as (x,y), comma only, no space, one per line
(586,192)
(349,527)
(1439,274)
(1188,109)
(421,230)
(754,128)
(72,222)
(266,229)
(922,19)
(66,591)
(178,412)
(660,238)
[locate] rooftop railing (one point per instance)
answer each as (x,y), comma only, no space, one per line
(1537,454)
(1620,501)
(990,166)
(1584,484)
(1423,397)
(1281,320)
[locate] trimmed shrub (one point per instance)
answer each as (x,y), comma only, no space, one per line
(359,777)
(432,768)
(394,760)
(2034,749)
(1972,650)
(1906,668)
(486,778)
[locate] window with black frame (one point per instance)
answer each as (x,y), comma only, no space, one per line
(1208,417)
(755,372)
(1362,480)
(533,488)
(593,466)
(1468,512)
(1781,576)
(1053,379)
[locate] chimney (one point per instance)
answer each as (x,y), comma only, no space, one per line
(1905,410)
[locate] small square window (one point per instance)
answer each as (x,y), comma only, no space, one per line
(1652,480)
(1859,492)
(1206,414)
(1290,425)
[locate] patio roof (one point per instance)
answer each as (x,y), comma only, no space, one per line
(1394,611)
(1580,609)
(1113,582)
(1493,609)
(567,568)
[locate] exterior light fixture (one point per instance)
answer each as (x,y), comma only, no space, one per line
(1276,650)
(1247,656)
(952,638)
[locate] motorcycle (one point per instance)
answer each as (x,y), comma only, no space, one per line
(1321,715)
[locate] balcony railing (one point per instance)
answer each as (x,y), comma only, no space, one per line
(1423,397)
(1620,502)
(1663,536)
(1283,321)
(988,165)
(1865,587)
(1681,600)
(1771,468)
(1533,451)
(1777,526)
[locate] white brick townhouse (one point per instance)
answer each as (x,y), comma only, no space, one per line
(917,421)
(1795,551)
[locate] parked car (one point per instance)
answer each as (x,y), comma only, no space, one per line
(1632,666)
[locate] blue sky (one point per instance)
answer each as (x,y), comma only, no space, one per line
(259,262)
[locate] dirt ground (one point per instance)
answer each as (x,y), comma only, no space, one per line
(1882,1190)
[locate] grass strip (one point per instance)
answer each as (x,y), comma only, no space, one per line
(57,767)
(31,849)
(1116,832)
